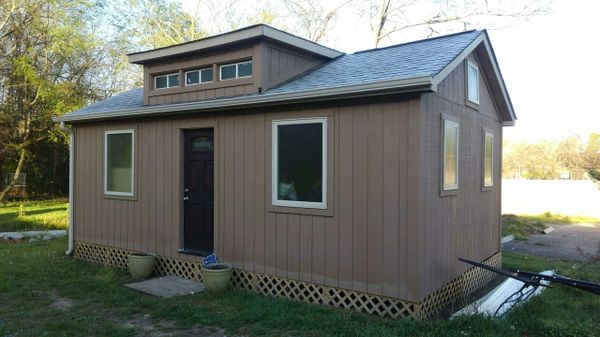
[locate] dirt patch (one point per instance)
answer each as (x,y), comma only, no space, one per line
(13,240)
(58,302)
(144,326)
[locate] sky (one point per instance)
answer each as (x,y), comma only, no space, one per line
(550,65)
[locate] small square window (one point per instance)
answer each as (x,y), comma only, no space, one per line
(198,76)
(206,75)
(228,72)
(236,70)
(473,82)
(166,81)
(245,69)
(299,177)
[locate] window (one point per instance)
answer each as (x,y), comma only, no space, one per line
(473,82)
(488,157)
(166,81)
(299,176)
(236,70)
(198,76)
(450,156)
(118,162)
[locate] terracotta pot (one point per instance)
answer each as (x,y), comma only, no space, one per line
(216,277)
(140,265)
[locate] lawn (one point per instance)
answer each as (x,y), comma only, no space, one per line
(44,293)
(522,225)
(34,215)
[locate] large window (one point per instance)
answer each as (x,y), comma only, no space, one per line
(300,163)
(118,162)
(450,155)
(472,82)
(236,70)
(488,165)
(199,76)
(166,81)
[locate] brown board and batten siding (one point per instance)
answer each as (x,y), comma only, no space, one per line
(466,224)
(364,245)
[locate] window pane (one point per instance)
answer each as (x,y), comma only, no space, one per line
(118,162)
(245,69)
(488,170)
(450,155)
(192,77)
(473,84)
(173,80)
(300,162)
(227,72)
(161,82)
(207,75)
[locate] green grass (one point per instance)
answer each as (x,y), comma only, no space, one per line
(34,275)
(522,225)
(34,215)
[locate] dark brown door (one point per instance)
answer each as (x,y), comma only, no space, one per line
(198,193)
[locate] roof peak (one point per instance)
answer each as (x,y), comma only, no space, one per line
(243,34)
(421,40)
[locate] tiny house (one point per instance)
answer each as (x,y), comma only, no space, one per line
(352,180)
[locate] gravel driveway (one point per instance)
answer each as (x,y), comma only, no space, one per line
(565,242)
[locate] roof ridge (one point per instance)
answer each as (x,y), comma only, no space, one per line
(419,41)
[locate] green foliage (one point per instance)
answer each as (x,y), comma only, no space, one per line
(40,215)
(38,276)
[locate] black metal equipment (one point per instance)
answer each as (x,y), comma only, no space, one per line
(534,280)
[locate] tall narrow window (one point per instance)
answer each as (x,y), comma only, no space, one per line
(118,162)
(299,177)
(488,165)
(472,82)
(450,155)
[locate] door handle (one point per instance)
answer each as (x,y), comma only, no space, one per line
(186,198)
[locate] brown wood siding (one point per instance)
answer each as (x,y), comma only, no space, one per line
(283,63)
(202,91)
(466,224)
(363,246)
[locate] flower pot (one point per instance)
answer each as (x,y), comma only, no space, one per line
(216,277)
(140,265)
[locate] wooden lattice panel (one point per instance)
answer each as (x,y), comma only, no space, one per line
(459,288)
(270,285)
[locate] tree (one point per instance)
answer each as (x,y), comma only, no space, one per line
(389,17)
(313,17)
(47,58)
(590,158)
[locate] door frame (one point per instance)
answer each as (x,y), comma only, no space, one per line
(180,127)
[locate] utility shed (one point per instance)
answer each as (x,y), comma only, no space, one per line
(351,180)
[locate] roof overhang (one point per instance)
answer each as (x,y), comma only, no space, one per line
(240,35)
(490,67)
(416,84)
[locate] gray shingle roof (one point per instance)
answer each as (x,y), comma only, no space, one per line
(409,60)
(404,61)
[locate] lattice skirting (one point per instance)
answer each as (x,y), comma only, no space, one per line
(270,285)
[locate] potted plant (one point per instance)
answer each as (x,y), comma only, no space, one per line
(140,265)
(216,276)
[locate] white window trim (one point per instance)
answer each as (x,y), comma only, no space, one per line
(455,186)
(486,135)
(275,162)
(236,70)
(476,67)
(199,76)
(115,132)
(168,82)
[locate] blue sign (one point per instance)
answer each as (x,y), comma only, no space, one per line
(210,260)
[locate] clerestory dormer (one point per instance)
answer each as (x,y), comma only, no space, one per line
(243,62)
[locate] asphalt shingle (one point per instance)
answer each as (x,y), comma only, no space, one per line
(409,60)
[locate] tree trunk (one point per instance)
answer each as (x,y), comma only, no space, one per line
(15,177)
(54,169)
